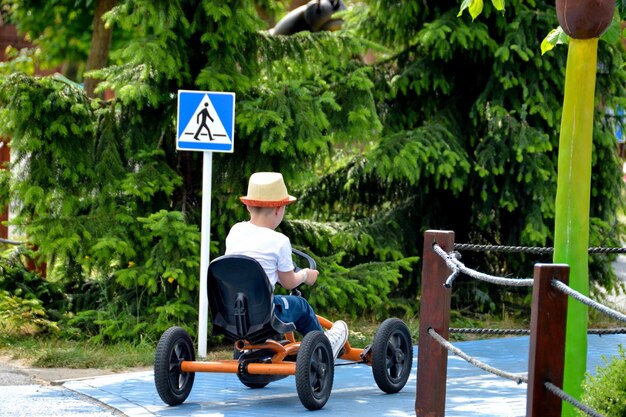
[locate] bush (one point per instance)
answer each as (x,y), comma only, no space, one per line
(28,303)
(606,392)
(19,316)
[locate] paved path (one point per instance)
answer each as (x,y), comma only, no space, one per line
(25,393)
(10,375)
(470,391)
(49,401)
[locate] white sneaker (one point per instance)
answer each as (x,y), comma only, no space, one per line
(338,335)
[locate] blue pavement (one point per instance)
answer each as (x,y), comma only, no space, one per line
(470,391)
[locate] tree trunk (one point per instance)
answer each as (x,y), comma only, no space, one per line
(100,44)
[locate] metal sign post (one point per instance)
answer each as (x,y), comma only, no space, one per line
(205,252)
(206,123)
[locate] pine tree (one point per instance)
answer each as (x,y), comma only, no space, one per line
(470,113)
(453,125)
(114,209)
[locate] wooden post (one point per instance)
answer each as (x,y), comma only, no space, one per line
(547,340)
(432,358)
(4,164)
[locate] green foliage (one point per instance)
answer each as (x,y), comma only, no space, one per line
(484,84)
(54,23)
(605,392)
(23,316)
(475,7)
(409,118)
(111,207)
(29,305)
(370,288)
(16,279)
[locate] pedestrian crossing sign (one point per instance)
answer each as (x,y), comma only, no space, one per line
(205,121)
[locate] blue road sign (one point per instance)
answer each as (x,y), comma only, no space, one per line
(205,121)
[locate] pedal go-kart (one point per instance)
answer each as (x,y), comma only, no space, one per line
(240,300)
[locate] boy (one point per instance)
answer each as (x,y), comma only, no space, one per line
(266,201)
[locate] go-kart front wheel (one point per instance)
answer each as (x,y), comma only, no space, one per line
(315,370)
(392,355)
(172,384)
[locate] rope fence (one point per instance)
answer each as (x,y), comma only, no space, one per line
(458,352)
(457,267)
(543,342)
(10,242)
(566,397)
(525,332)
(527,249)
(588,301)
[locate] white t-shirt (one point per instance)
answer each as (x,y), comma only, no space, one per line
(269,247)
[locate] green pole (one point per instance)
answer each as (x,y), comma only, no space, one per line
(571,232)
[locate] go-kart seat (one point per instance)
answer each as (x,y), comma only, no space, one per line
(241,300)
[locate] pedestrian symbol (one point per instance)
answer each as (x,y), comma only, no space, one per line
(205,121)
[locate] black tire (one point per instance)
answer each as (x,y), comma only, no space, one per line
(315,370)
(172,384)
(392,355)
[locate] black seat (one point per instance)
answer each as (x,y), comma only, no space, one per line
(241,300)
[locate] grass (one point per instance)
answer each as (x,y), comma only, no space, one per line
(52,352)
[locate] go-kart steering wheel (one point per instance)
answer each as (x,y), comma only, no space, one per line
(311,262)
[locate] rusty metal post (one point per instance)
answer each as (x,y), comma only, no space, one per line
(432,358)
(547,340)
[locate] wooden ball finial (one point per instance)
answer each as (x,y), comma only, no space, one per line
(585,19)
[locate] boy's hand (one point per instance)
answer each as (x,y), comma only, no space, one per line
(311,275)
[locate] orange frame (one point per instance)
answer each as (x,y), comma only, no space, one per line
(278,366)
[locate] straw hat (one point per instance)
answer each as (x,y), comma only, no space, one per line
(267,189)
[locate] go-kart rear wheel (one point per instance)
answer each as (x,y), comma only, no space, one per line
(252,381)
(315,370)
(172,384)
(392,355)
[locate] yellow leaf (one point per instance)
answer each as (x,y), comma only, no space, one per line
(475,8)
(464,6)
(555,37)
(498,4)
(546,45)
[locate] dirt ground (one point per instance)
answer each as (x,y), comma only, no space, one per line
(19,372)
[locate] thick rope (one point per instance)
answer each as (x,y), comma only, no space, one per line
(488,331)
(449,260)
(457,266)
(469,330)
(10,242)
(526,249)
(600,332)
(588,301)
(500,248)
(458,352)
(566,397)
